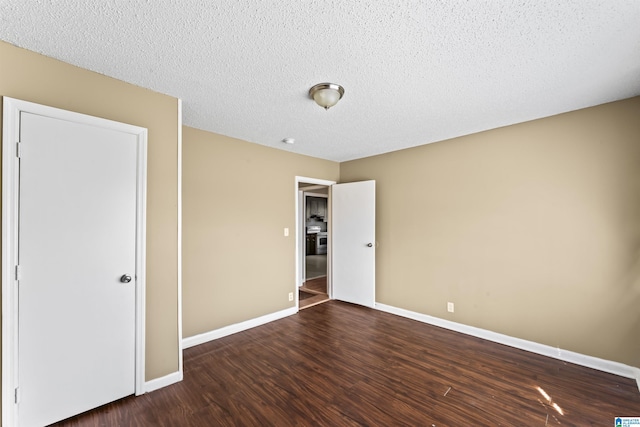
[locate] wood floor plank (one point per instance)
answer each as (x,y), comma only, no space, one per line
(318,287)
(338,364)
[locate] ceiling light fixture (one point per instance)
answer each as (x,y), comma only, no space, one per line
(326,95)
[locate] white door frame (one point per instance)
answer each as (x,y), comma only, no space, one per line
(10,198)
(300,254)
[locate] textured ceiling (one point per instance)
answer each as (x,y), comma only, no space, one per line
(414,72)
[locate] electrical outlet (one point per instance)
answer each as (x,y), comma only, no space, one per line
(450,307)
(290,296)
(286,232)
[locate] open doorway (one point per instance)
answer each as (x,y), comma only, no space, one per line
(313,250)
(351,241)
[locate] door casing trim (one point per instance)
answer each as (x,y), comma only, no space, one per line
(10,198)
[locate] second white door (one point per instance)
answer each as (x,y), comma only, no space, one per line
(354,242)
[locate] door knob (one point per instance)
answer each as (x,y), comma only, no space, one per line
(369,245)
(125,278)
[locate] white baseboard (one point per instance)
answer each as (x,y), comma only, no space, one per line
(237,327)
(161,382)
(545,350)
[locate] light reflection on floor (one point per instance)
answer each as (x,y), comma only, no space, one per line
(549,403)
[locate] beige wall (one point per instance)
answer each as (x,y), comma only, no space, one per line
(237,199)
(532,230)
(32,77)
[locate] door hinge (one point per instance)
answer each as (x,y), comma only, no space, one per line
(18,150)
(16,395)
(18,273)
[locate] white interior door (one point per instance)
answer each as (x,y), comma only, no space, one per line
(77,237)
(354,242)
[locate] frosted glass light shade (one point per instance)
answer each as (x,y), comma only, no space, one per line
(326,95)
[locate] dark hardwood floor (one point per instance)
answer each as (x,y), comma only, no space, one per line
(317,285)
(317,288)
(337,364)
